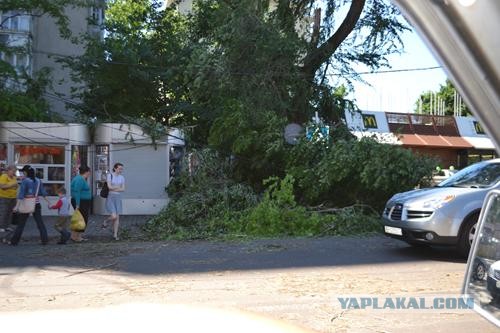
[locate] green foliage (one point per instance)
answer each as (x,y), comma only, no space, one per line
(254,139)
(27,105)
(352,220)
(19,107)
(204,207)
(447,94)
(138,69)
(348,172)
(278,214)
(204,204)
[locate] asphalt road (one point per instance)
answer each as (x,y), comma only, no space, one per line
(293,280)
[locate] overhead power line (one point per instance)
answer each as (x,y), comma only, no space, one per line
(111,62)
(389,71)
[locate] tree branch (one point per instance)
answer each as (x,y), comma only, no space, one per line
(316,28)
(320,55)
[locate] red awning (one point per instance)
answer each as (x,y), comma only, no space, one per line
(434,141)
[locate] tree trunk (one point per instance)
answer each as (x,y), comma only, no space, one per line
(320,55)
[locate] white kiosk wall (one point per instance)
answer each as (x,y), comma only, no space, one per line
(146,169)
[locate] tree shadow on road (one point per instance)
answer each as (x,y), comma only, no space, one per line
(151,258)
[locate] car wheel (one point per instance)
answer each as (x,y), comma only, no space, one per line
(467,234)
(479,272)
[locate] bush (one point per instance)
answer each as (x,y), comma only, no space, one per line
(279,215)
(203,204)
(225,209)
(347,172)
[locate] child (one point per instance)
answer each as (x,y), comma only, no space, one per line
(62,205)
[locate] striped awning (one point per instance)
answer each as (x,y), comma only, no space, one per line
(434,141)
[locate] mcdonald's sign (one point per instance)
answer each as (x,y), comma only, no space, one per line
(369,121)
(478,128)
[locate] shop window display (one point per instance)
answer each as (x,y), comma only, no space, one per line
(31,154)
(48,162)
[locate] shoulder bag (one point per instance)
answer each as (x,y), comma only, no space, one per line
(105,189)
(27,205)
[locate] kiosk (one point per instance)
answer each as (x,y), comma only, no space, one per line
(146,166)
(55,151)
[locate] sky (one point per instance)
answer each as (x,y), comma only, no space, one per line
(398,91)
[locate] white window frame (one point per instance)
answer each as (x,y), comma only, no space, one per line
(26,66)
(22,21)
(97,15)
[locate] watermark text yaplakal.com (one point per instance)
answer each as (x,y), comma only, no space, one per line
(441,303)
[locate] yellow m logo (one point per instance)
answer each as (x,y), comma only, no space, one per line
(369,121)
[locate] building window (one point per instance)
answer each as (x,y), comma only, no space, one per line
(393,118)
(15,21)
(48,162)
(96,15)
(20,62)
(369,121)
(35,154)
(478,128)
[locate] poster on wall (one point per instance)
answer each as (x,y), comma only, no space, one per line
(101,164)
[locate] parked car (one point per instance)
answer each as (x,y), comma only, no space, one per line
(479,269)
(446,214)
(493,282)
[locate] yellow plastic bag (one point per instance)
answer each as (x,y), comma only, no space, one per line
(77,221)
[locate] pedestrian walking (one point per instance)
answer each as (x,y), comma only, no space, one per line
(81,199)
(8,193)
(31,187)
(116,185)
(62,205)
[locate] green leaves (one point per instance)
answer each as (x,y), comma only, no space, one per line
(354,171)
(138,69)
(428,101)
(20,107)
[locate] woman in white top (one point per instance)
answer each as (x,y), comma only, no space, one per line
(116,185)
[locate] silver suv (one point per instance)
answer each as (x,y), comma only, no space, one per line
(446,214)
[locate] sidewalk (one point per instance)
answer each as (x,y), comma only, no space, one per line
(130,227)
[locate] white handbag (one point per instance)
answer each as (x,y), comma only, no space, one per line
(27,205)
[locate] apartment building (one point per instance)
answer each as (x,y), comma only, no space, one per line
(40,36)
(303,27)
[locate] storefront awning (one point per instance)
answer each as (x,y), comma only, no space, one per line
(480,143)
(434,141)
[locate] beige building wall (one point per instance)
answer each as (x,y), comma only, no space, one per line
(44,43)
(48,45)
